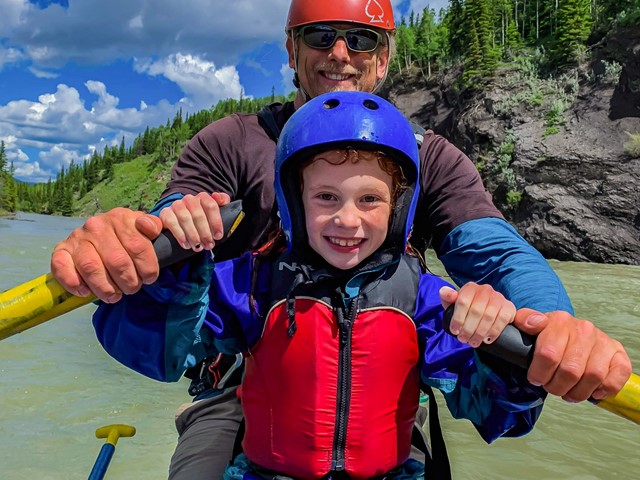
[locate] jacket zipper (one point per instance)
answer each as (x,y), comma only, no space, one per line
(344,382)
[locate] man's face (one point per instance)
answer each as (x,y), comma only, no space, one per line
(337,68)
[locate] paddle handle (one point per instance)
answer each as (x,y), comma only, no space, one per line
(112,433)
(517,347)
(169,250)
(43,298)
(512,346)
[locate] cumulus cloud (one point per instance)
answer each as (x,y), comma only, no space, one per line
(64,129)
(203,83)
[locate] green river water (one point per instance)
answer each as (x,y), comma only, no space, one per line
(57,386)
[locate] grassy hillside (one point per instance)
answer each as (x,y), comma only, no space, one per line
(136,184)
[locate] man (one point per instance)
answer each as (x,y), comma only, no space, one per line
(332,46)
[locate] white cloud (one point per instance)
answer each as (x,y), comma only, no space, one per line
(32,172)
(57,157)
(43,73)
(11,13)
(9,55)
(63,128)
(17,156)
(203,83)
(136,23)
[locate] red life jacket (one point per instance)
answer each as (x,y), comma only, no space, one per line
(330,399)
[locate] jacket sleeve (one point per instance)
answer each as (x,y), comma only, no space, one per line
(495,397)
(232,316)
(489,250)
(156,331)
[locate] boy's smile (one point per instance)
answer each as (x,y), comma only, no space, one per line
(347,206)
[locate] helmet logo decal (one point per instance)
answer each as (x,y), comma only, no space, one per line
(378,12)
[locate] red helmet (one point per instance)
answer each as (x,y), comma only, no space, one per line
(373,13)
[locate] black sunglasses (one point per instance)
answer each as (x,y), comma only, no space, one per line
(323,36)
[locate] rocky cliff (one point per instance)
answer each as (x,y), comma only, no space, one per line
(551,150)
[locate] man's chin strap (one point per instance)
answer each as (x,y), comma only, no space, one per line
(296,78)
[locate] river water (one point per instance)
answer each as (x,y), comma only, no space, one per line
(57,386)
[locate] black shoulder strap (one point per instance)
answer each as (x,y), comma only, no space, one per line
(436,465)
(237,444)
(418,132)
(269,121)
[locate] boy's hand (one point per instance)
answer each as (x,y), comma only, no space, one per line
(573,359)
(195,220)
(480,313)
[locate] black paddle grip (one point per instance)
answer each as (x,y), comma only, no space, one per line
(169,250)
(512,346)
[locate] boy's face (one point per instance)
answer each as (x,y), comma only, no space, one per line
(347,207)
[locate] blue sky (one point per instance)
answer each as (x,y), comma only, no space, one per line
(76,75)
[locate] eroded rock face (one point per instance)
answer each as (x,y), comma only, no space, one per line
(580,190)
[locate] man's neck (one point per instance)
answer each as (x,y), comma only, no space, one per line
(299,100)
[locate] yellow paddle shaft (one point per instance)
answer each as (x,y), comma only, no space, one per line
(35,302)
(43,298)
(627,402)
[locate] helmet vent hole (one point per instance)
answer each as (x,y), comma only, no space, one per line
(331,104)
(371,104)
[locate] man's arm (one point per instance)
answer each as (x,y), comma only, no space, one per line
(489,250)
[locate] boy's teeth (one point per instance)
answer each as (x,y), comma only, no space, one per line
(344,243)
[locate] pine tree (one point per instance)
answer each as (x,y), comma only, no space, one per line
(574,26)
(454,20)
(427,46)
(3,156)
(480,53)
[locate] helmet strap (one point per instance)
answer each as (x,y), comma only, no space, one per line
(296,79)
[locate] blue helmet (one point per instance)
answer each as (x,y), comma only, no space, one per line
(340,120)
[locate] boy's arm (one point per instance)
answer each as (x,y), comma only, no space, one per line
(155,330)
(158,331)
(496,398)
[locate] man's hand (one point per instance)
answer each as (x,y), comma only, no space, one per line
(573,359)
(109,255)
